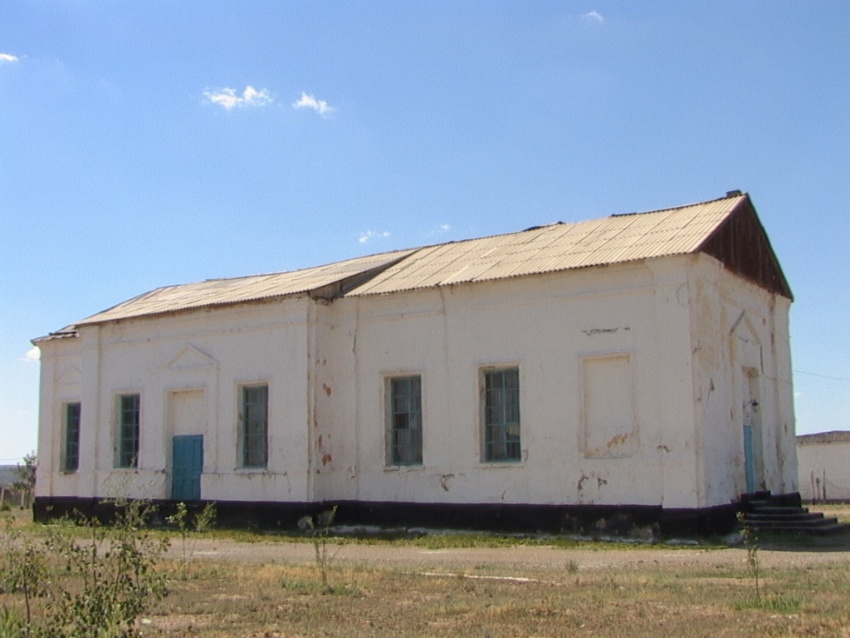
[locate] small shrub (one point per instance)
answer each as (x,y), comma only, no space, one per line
(180,520)
(205,519)
(751,544)
(202,522)
(103,583)
(319,529)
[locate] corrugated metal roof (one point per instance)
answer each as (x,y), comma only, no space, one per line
(217,292)
(545,249)
(836,436)
(611,240)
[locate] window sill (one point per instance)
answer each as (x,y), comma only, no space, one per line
(501,464)
(403,468)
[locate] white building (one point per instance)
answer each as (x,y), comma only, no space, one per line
(634,363)
(824,460)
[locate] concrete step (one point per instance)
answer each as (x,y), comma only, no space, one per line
(766,512)
(765,498)
(829,527)
(780,514)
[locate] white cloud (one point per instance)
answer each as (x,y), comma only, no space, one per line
(228,98)
(439,230)
(33,354)
(309,102)
(593,16)
(8,57)
(371,235)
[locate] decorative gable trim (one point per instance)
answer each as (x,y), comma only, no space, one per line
(190,358)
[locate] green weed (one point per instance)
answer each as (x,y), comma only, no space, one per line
(778,604)
(99,585)
(319,529)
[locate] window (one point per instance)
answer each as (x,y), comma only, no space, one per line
(71,452)
(254,418)
(404,416)
(501,415)
(128,430)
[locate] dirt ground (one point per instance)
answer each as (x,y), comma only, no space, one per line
(225,584)
(808,554)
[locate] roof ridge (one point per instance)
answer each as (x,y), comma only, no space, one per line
(729,195)
(412,249)
(297,270)
(589,242)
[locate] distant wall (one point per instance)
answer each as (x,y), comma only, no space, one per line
(8,494)
(824,462)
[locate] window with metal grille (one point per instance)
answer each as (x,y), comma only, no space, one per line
(501,415)
(71,455)
(404,416)
(255,417)
(128,430)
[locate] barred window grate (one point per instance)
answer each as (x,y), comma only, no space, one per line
(128,430)
(71,457)
(255,413)
(501,415)
(405,420)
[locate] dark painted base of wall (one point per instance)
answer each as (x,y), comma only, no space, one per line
(589,519)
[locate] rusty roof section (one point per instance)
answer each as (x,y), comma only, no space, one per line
(558,247)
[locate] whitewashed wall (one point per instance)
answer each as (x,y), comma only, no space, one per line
(60,383)
(672,336)
(547,326)
(741,346)
(671,322)
(211,352)
(824,468)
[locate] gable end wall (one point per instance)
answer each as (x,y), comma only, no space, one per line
(740,348)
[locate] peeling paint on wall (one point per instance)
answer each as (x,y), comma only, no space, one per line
(444,481)
(598,331)
(616,440)
(627,393)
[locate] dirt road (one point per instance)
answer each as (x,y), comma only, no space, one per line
(519,558)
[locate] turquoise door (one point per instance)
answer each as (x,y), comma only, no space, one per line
(188,456)
(749,459)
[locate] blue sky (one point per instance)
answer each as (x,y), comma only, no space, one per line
(151,143)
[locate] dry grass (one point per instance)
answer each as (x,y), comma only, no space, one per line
(288,600)
(218,597)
